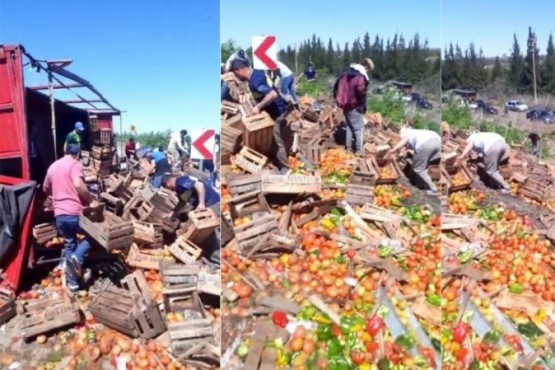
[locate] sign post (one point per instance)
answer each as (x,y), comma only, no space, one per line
(264,52)
(202,144)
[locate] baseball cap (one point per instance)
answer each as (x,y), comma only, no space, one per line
(72,149)
(79,126)
(239,63)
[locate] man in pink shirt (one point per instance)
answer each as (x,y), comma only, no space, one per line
(64,183)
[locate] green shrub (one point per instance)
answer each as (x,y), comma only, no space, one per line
(389,106)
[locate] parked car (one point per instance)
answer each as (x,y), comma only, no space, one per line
(516,106)
(486,108)
(468,103)
(541,115)
(424,104)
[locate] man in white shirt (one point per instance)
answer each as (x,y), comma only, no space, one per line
(426,145)
(287,84)
(493,148)
(176,148)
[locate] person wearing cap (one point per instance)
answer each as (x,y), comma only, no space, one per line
(426,145)
(160,166)
(130,148)
(176,148)
(75,136)
(494,149)
(65,185)
(350,92)
(310,72)
(287,84)
(267,99)
(195,192)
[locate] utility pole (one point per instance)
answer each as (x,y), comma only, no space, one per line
(532,49)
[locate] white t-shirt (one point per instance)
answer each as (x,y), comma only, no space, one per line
(418,137)
(175,141)
(284,71)
(484,140)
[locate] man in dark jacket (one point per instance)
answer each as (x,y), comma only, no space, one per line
(267,99)
(350,92)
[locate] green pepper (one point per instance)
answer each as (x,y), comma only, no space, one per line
(492,337)
(434,300)
(336,212)
(474,365)
(339,362)
(515,288)
(352,324)
(385,251)
(351,341)
(334,348)
(384,364)
(465,257)
(324,332)
(529,330)
(405,341)
(306,313)
(243,349)
(436,344)
(341,260)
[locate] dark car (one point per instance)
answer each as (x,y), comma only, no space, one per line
(424,104)
(488,109)
(541,115)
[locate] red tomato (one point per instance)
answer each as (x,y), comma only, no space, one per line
(461,354)
(357,358)
(372,346)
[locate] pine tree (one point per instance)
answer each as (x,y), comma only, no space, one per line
(366,47)
(356,54)
(330,57)
(346,57)
(516,63)
(532,56)
(497,72)
(548,68)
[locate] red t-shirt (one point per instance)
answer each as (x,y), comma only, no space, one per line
(129,147)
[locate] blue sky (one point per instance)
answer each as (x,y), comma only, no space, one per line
(491,24)
(157,60)
(293,21)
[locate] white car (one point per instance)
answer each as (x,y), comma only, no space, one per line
(516,106)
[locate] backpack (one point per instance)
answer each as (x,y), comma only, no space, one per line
(342,92)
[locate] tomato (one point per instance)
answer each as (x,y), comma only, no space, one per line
(357,358)
(335,330)
(296,344)
(351,253)
(372,346)
(461,354)
(308,346)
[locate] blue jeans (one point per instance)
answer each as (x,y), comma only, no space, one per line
(68,227)
(288,87)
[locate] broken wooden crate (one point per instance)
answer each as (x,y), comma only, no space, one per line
(538,190)
(249,234)
(195,329)
(359,194)
(200,225)
(250,160)
(259,132)
(291,184)
(165,201)
(208,282)
(388,173)
(129,311)
(241,184)
(7,306)
(230,139)
(112,204)
(43,233)
(185,250)
(47,315)
(116,185)
(147,259)
(108,230)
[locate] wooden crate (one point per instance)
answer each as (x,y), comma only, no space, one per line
(392,167)
(537,190)
(435,172)
(101,152)
(178,278)
(103,167)
(250,234)
(241,184)
(259,132)
(292,184)
(209,283)
(229,140)
(147,259)
(119,309)
(449,173)
(110,231)
(148,234)
(185,251)
(47,315)
(185,335)
(250,160)
(247,204)
(199,226)
(43,233)
(112,204)
(163,200)
(138,209)
(359,194)
(226,231)
(7,306)
(314,154)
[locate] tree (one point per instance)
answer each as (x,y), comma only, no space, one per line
(366,46)
(516,65)
(226,49)
(330,57)
(346,57)
(356,54)
(548,68)
(532,52)
(497,72)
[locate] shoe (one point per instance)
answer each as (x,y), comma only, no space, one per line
(75,267)
(432,193)
(87,275)
(73,289)
(504,191)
